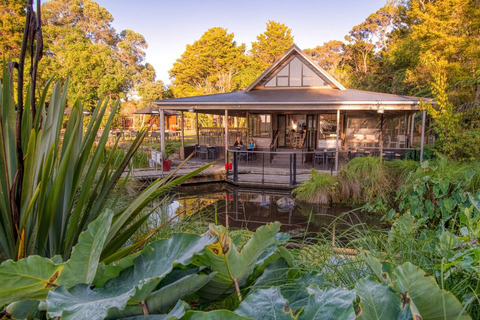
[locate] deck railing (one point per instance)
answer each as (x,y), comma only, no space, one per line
(269,167)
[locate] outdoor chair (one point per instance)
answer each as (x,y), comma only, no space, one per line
(243,153)
(401,141)
(330,156)
(319,156)
(389,154)
(212,152)
(202,152)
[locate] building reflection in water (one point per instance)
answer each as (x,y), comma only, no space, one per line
(252,208)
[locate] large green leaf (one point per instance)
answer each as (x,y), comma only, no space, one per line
(383,270)
(233,265)
(24,309)
(296,292)
(379,302)
(30,278)
(432,302)
(33,277)
(328,304)
(112,270)
(83,263)
(133,285)
(179,284)
(265,304)
(176,313)
(213,315)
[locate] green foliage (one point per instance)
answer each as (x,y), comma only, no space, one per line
(112,64)
(12,20)
(140,282)
(446,120)
(321,188)
(232,266)
(271,44)
(68,179)
(365,178)
(439,190)
(209,65)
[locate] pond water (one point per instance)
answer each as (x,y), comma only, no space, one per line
(251,208)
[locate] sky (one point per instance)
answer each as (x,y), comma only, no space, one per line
(168,26)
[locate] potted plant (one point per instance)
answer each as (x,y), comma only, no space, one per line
(167,164)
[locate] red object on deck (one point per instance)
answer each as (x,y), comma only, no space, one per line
(229,166)
(167,164)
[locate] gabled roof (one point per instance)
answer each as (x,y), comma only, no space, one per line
(290,54)
(293,96)
(329,95)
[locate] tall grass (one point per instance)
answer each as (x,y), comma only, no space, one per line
(365,179)
(362,180)
(322,188)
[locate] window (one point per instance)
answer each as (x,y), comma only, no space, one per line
(296,74)
(259,125)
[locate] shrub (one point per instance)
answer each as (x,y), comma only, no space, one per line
(322,188)
(365,179)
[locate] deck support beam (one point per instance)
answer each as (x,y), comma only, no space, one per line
(248,135)
(412,127)
(225,124)
(182,153)
(196,129)
(380,138)
(162,132)
(422,141)
(338,137)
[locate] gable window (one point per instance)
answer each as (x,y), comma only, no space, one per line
(259,125)
(296,74)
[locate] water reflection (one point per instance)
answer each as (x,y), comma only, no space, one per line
(252,208)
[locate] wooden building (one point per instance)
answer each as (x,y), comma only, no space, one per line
(297,104)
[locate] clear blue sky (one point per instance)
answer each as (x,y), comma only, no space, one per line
(168,26)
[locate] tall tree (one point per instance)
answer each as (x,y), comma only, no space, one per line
(271,44)
(329,56)
(209,65)
(12,21)
(81,43)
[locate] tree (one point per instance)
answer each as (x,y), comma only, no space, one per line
(12,20)
(446,120)
(81,44)
(271,44)
(329,56)
(209,65)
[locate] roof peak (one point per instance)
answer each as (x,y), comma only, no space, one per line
(280,64)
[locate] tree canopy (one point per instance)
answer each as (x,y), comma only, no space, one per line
(12,21)
(272,43)
(209,65)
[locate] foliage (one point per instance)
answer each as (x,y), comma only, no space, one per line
(112,63)
(67,181)
(439,191)
(271,44)
(12,20)
(330,57)
(209,65)
(321,188)
(232,266)
(446,120)
(151,281)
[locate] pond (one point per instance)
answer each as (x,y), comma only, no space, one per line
(249,208)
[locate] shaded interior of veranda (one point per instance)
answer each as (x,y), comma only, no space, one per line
(300,117)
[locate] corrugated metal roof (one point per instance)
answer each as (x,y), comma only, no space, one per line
(293,96)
